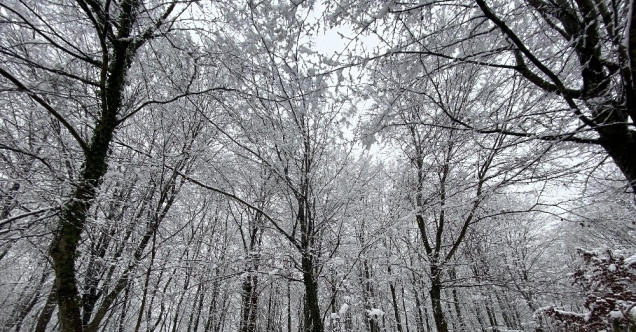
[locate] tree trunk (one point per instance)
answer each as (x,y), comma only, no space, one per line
(312,309)
(369,294)
(418,307)
(435,293)
(74,211)
(492,316)
(197,317)
(505,314)
(427,321)
(124,310)
(460,319)
(250,303)
(619,142)
(289,312)
(194,305)
(25,303)
(406,315)
(396,311)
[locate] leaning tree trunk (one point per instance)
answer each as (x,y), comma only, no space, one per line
(74,212)
(118,53)
(63,249)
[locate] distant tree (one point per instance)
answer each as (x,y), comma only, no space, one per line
(288,125)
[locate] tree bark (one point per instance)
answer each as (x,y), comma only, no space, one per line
(312,309)
(63,250)
(395,303)
(250,303)
(457,306)
(435,293)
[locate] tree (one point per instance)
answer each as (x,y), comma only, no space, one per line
(450,174)
(577,56)
(87,73)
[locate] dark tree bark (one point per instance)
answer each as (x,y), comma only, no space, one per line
(305,218)
(250,294)
(114,35)
(313,319)
(456,304)
(435,294)
(603,75)
(396,310)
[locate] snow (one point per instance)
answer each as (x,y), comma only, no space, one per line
(585,316)
(632,312)
(334,316)
(375,313)
(612,267)
(304,49)
(343,309)
(630,260)
(383,11)
(394,49)
(616,314)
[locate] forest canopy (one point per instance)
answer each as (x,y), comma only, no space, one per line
(303,165)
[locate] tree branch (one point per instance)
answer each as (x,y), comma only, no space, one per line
(49,108)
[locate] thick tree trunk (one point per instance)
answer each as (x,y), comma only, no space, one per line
(620,144)
(249,306)
(312,316)
(312,309)
(435,293)
(63,250)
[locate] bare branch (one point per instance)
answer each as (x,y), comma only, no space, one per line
(49,108)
